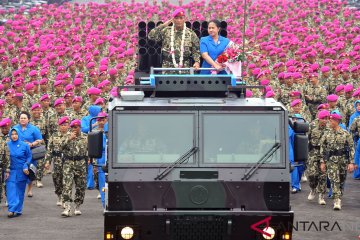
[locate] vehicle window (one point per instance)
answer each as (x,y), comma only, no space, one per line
(239,138)
(153,138)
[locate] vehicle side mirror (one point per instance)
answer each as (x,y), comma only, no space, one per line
(95,144)
(301,141)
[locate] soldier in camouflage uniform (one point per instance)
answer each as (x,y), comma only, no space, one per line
(59,105)
(5,125)
(317,179)
(336,148)
(314,94)
(38,120)
(285,92)
(189,47)
(296,107)
(47,110)
(74,149)
(54,155)
(354,122)
(77,111)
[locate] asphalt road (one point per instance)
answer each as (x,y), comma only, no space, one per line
(41,217)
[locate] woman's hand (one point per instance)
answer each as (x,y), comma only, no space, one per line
(26,171)
(47,165)
(218,67)
(7,175)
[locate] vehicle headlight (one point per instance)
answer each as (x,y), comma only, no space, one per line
(270,231)
(127,233)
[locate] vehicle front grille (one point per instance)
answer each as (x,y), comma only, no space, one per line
(198,228)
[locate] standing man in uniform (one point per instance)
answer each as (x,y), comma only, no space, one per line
(336,147)
(74,148)
(54,155)
(179,43)
(317,178)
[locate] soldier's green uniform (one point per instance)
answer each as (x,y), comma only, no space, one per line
(336,149)
(74,169)
(78,115)
(317,179)
(41,124)
(54,155)
(191,45)
(318,94)
(4,163)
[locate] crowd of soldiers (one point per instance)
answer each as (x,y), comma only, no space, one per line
(57,62)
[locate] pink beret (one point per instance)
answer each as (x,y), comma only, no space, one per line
(59,101)
(270,94)
(68,94)
(44,97)
(102,114)
(58,82)
(313,74)
(295,102)
(103,68)
(69,88)
(2,102)
(335,116)
(77,99)
(93,73)
(19,95)
(112,71)
(323,106)
(99,101)
(325,69)
(6,80)
(93,91)
(178,12)
(119,66)
(332,98)
(71,63)
(5,122)
(356,93)
(75,122)
(29,86)
(348,88)
(10,91)
(63,120)
(35,105)
(114,92)
(323,114)
(248,93)
(44,72)
(78,81)
(256,71)
(339,88)
(32,73)
(90,65)
(295,93)
(17,84)
(264,82)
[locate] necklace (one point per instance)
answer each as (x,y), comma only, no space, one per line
(181,47)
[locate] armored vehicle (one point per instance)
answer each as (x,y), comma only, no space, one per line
(190,158)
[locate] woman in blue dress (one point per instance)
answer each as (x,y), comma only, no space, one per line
(102,125)
(31,135)
(211,47)
(20,158)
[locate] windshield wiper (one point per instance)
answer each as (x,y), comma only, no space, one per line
(179,161)
(262,160)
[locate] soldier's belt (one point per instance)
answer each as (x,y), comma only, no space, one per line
(76,158)
(337,153)
(57,154)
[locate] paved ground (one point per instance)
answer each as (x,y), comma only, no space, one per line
(41,218)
